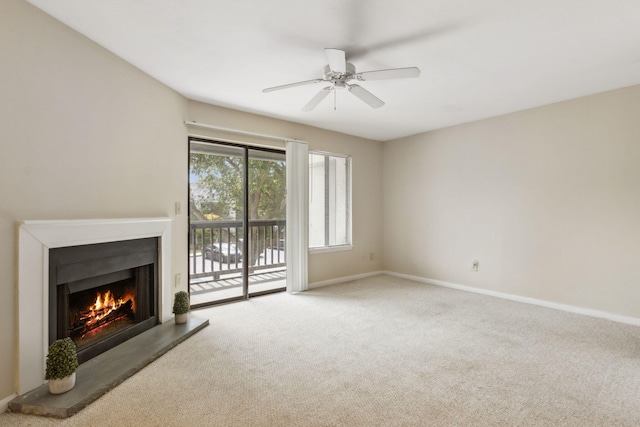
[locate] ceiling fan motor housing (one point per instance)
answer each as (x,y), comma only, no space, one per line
(339,79)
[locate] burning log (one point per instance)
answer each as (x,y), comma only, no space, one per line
(91,320)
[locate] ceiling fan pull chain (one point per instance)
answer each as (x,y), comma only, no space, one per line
(335,95)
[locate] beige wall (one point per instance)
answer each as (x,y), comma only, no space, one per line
(547,200)
(82,135)
(85,135)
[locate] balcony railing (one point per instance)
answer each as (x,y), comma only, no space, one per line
(215,248)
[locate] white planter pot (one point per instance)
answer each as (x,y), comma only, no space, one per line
(62,385)
(181,318)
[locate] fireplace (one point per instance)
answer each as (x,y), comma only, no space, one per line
(102,294)
(37,239)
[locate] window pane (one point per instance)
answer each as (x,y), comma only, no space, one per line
(329,200)
(337,201)
(316,200)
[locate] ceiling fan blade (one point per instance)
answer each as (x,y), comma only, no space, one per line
(287,86)
(317,98)
(337,60)
(393,73)
(366,96)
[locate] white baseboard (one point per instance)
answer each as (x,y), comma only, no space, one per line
(344,279)
(563,307)
(4,403)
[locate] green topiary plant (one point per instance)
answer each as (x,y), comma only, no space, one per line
(62,359)
(181,303)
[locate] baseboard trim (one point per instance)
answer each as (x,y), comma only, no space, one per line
(548,304)
(4,403)
(344,279)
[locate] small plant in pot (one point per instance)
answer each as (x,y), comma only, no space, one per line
(62,363)
(181,307)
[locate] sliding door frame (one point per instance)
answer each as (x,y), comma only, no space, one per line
(245,218)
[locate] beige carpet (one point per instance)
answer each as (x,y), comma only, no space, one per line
(387,352)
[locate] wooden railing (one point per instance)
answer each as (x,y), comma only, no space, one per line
(266,247)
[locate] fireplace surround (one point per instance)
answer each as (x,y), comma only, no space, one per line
(35,239)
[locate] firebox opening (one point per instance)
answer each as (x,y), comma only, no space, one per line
(101,312)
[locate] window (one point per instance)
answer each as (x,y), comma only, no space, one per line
(329,200)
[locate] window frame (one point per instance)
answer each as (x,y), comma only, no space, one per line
(348,204)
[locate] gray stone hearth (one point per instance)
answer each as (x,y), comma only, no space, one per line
(102,373)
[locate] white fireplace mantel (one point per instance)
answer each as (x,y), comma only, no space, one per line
(35,239)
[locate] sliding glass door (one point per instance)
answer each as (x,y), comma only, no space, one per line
(236,221)
(267,221)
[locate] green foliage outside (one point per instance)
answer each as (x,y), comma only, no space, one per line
(219,194)
(220,179)
(62,359)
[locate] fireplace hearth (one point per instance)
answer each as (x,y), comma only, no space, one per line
(103,294)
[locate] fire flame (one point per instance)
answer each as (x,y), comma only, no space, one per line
(105,304)
(109,301)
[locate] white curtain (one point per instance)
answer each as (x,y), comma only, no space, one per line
(297,233)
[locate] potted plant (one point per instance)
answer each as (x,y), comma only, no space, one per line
(181,307)
(62,363)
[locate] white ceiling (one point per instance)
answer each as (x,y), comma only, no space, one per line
(478,58)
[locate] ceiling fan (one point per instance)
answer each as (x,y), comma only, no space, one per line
(338,73)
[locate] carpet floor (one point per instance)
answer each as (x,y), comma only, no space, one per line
(382,351)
